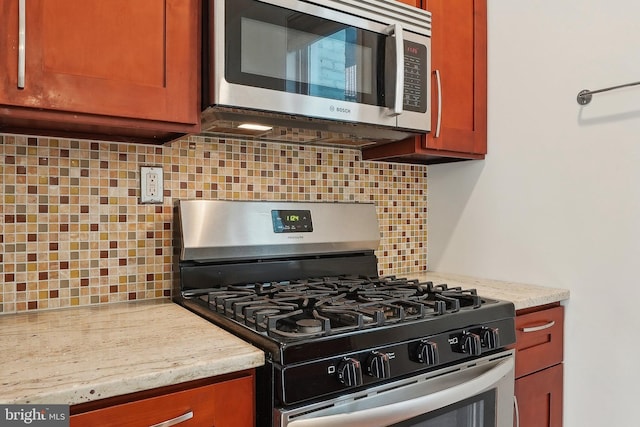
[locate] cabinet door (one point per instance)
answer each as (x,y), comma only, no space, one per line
(458,88)
(411,2)
(539,398)
(228,403)
(459,76)
(117,58)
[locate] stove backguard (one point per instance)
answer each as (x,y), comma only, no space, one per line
(216,230)
(220,243)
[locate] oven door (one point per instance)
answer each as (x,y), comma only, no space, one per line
(477,393)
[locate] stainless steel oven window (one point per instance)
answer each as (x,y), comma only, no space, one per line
(457,396)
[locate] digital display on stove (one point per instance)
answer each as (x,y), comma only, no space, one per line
(291,221)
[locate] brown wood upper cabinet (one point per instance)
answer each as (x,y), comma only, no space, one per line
(458,88)
(121,69)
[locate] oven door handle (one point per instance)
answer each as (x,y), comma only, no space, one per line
(401,411)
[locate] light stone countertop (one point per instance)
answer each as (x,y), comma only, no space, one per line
(75,355)
(522,295)
(81,354)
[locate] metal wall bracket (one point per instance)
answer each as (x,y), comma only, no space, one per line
(584,96)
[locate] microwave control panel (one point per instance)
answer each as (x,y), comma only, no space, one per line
(416,74)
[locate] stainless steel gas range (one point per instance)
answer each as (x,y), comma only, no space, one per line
(344,347)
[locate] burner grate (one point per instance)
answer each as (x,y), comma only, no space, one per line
(332,305)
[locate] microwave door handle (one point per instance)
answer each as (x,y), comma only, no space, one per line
(396,30)
(439,122)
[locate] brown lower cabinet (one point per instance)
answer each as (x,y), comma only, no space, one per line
(539,366)
(221,401)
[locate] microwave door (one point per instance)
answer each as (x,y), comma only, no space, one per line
(310,61)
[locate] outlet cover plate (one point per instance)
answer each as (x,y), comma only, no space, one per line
(151,184)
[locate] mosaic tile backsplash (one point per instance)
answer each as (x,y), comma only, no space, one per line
(72,230)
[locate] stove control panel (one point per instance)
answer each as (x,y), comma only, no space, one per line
(291,221)
(371,366)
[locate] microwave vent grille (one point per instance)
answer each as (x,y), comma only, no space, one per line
(385,11)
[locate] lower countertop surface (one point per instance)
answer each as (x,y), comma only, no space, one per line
(521,294)
(75,355)
(81,354)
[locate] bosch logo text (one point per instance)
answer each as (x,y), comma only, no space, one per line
(340,109)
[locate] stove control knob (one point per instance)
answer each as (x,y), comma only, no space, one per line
(470,344)
(428,353)
(490,338)
(350,372)
(378,365)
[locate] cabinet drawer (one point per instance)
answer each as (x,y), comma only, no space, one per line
(539,340)
(227,403)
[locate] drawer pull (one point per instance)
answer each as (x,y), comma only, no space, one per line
(538,328)
(174,421)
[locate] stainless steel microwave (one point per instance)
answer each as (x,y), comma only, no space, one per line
(356,70)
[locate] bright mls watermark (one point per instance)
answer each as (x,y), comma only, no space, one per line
(34,415)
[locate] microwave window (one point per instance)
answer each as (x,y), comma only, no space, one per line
(329,65)
(280,49)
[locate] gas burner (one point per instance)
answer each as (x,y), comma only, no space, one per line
(309,326)
(375,311)
(297,324)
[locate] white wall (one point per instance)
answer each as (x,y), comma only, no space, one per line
(557,201)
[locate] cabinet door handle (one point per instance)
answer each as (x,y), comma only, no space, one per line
(175,421)
(439,121)
(516,410)
(22,12)
(538,328)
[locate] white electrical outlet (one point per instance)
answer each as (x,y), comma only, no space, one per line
(151,184)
